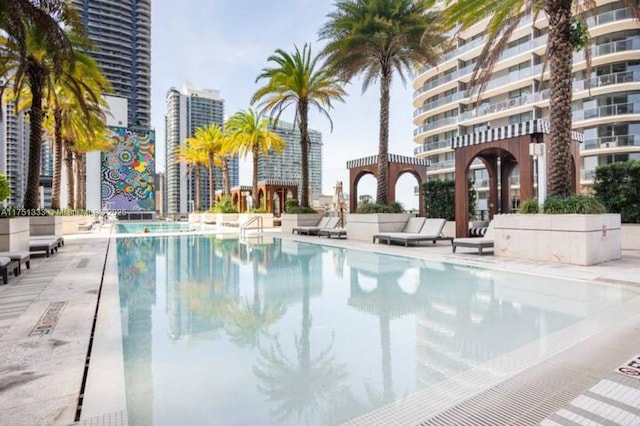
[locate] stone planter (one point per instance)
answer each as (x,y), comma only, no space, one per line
(195,217)
(575,239)
(45,225)
(267,220)
(630,236)
(363,226)
(226,219)
(14,234)
(72,224)
(290,221)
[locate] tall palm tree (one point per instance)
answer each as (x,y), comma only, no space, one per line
(97,140)
(298,80)
(567,32)
(195,158)
(249,133)
(210,139)
(375,38)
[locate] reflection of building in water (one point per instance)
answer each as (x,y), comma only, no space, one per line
(466,323)
(137,279)
(201,280)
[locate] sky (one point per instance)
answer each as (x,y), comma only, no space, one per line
(224,45)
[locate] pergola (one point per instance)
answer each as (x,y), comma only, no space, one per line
(398,165)
(269,190)
(501,150)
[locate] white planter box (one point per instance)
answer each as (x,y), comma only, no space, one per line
(576,239)
(289,221)
(195,217)
(363,226)
(71,224)
(45,225)
(226,219)
(14,234)
(630,236)
(267,219)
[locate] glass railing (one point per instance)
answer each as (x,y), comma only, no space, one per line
(495,107)
(588,175)
(438,103)
(442,165)
(607,17)
(606,80)
(606,111)
(606,142)
(432,146)
(631,43)
(436,124)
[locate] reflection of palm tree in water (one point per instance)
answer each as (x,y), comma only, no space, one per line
(305,386)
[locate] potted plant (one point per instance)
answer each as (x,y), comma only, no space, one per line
(14,229)
(295,216)
(372,218)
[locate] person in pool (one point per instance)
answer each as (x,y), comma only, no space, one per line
(146,230)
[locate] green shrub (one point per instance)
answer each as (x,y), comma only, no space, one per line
(293,207)
(224,206)
(574,204)
(5,189)
(367,207)
(617,186)
(260,210)
(440,199)
(529,207)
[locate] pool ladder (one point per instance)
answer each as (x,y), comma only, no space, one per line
(245,226)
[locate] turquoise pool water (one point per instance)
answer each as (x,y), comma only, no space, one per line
(276,332)
(159,227)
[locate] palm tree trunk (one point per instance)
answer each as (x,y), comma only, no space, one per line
(383,147)
(80,181)
(68,162)
(212,182)
(57,159)
(197,205)
(254,182)
(304,152)
(226,182)
(36,84)
(561,61)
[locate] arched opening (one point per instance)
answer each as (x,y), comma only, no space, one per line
(365,188)
(408,190)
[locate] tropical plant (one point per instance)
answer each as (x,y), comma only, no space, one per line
(617,186)
(367,207)
(375,38)
(440,198)
(529,206)
(567,32)
(292,206)
(5,190)
(225,205)
(249,133)
(29,55)
(210,139)
(574,204)
(194,158)
(299,80)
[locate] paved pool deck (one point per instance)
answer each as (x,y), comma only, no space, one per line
(47,321)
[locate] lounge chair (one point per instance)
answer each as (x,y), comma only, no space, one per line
(413,226)
(332,224)
(431,230)
(5,265)
(41,245)
(20,257)
(338,232)
(479,243)
(58,238)
(304,229)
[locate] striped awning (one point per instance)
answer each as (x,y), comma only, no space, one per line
(507,132)
(278,182)
(393,158)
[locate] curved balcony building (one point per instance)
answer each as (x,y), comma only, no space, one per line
(606,101)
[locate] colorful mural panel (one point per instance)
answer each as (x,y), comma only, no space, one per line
(128,171)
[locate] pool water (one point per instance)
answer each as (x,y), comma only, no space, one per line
(158,227)
(217,331)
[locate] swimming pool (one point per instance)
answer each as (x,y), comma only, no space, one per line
(217,331)
(159,227)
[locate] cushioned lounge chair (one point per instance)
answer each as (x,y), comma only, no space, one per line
(304,229)
(338,232)
(41,245)
(485,242)
(413,226)
(7,264)
(331,223)
(430,231)
(58,238)
(20,257)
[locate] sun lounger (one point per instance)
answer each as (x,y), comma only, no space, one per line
(5,265)
(332,224)
(18,256)
(335,232)
(58,238)
(431,230)
(41,245)
(304,229)
(478,243)
(413,226)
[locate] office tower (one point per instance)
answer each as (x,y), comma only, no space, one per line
(14,144)
(121,35)
(286,165)
(186,111)
(606,111)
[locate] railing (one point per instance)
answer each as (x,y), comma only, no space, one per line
(438,103)
(606,142)
(496,107)
(606,111)
(435,124)
(607,79)
(245,226)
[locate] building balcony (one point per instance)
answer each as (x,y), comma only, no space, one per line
(495,107)
(450,164)
(609,142)
(438,103)
(432,146)
(435,125)
(606,111)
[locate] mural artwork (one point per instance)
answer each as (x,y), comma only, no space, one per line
(128,170)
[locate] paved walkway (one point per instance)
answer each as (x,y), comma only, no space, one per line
(46,318)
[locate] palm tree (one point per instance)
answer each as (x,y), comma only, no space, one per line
(97,140)
(567,32)
(298,79)
(195,158)
(249,133)
(210,139)
(375,38)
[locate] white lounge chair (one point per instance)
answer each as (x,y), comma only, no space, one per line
(20,257)
(304,229)
(5,265)
(431,230)
(332,223)
(485,242)
(413,226)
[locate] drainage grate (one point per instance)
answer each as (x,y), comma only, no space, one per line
(49,319)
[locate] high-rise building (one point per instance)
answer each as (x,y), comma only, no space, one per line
(121,35)
(14,145)
(606,98)
(286,165)
(186,111)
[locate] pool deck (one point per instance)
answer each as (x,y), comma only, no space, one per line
(47,316)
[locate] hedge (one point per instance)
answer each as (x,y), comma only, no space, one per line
(617,186)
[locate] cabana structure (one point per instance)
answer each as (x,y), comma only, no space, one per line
(272,193)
